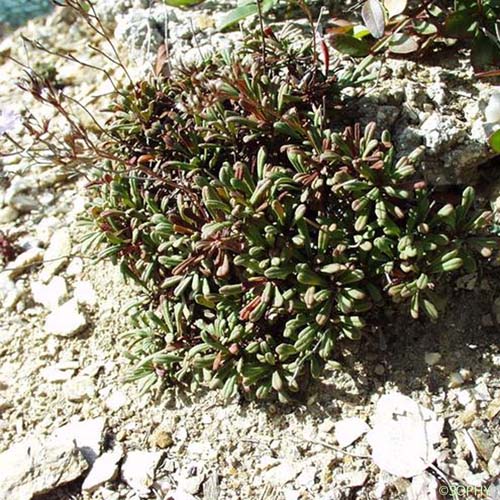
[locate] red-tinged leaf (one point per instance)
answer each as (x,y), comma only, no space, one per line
(217,361)
(494,141)
(326,56)
(403,44)
(246,311)
(395,7)
(350,45)
(373,17)
(161,61)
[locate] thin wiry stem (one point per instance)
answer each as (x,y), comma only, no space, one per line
(72,58)
(89,14)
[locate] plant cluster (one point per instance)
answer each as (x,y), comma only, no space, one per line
(261,234)
(395,26)
(261,230)
(8,250)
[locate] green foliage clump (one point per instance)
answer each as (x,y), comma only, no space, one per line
(261,235)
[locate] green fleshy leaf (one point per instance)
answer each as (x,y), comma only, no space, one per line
(183,3)
(494,141)
(351,45)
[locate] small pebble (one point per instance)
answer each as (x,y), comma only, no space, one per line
(432,358)
(455,380)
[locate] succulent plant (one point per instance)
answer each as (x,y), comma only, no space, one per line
(260,228)
(261,234)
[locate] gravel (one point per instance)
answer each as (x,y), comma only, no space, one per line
(69,367)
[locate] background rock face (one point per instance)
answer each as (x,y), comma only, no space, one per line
(17,12)
(440,106)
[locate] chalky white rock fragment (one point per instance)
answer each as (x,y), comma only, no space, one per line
(138,470)
(35,466)
(66,320)
(105,469)
(349,430)
(51,294)
(403,436)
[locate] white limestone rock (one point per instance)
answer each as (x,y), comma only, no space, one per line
(35,466)
(66,320)
(349,430)
(104,469)
(57,254)
(138,470)
(51,294)
(403,436)
(88,436)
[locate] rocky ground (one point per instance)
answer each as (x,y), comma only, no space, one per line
(72,429)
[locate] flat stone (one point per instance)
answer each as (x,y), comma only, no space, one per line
(8,214)
(105,469)
(116,401)
(50,295)
(75,267)
(403,436)
(88,436)
(66,320)
(492,110)
(468,415)
(493,409)
(282,474)
(494,463)
(35,466)
(190,478)
(481,392)
(84,293)
(53,374)
(57,253)
(464,397)
(79,389)
(327,425)
(307,477)
(13,298)
(24,203)
(349,430)
(354,479)
(440,132)
(483,442)
(425,486)
(432,358)
(139,468)
(23,262)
